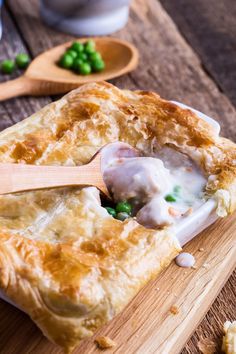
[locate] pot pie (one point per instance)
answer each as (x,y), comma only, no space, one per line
(63,259)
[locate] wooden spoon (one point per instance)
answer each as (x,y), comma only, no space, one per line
(21,177)
(45,77)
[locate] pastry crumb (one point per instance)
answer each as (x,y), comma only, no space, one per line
(229,339)
(207,346)
(206,265)
(174,310)
(201,249)
(105,342)
(194,267)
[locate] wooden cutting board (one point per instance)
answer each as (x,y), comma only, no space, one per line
(147,324)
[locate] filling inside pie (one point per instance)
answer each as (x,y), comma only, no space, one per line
(161,189)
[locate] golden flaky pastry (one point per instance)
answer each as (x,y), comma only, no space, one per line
(63,259)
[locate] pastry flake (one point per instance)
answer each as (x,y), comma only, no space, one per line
(104,342)
(229,339)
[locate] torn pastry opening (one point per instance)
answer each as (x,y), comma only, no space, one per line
(158,190)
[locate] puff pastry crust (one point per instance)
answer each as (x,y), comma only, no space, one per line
(63,259)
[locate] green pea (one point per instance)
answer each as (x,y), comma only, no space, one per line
(111,211)
(82,56)
(85,69)
(72,53)
(76,64)
(122,216)
(170,198)
(66,61)
(98,65)
(95,56)
(177,189)
(89,47)
(7,66)
(123,207)
(22,60)
(77,47)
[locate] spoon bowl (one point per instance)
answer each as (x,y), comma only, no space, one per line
(45,77)
(120,57)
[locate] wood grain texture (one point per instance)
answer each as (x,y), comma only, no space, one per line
(210,27)
(13,111)
(169,66)
(222,309)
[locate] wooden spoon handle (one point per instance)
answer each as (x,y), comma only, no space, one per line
(17,87)
(21,177)
(24,86)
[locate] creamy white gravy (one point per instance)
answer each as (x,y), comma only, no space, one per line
(185,260)
(162,188)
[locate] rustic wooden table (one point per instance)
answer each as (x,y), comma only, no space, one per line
(187,51)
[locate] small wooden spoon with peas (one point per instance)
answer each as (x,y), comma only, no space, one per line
(44,77)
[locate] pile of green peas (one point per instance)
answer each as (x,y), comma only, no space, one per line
(21,61)
(122,210)
(82,58)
